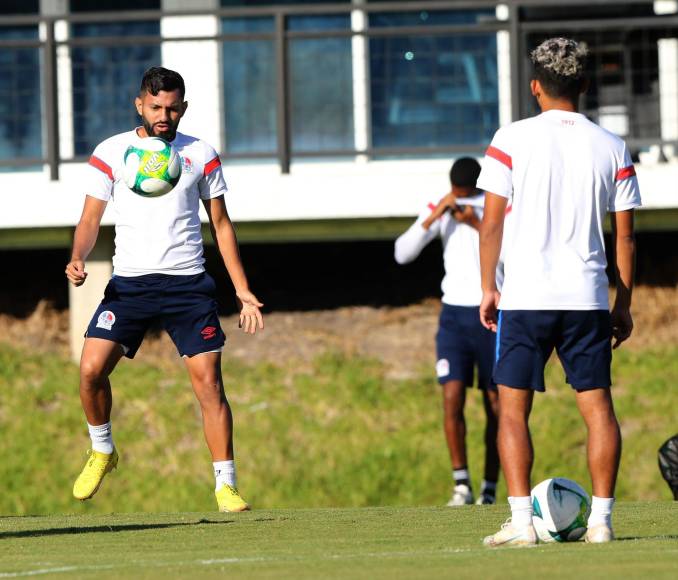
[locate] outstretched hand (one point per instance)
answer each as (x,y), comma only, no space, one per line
(250,315)
(75,272)
(488,310)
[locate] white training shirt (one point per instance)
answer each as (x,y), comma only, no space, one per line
(563,173)
(159,235)
(461,284)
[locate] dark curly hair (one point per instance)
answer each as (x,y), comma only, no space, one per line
(157,79)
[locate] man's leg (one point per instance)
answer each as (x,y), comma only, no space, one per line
(604,452)
(205,373)
(516,455)
(99,358)
(489,486)
(454,424)
(514,441)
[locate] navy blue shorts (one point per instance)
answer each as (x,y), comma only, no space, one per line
(526,339)
(462,343)
(185,306)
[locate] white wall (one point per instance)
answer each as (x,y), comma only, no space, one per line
(312,191)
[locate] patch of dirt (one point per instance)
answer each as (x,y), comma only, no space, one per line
(401,337)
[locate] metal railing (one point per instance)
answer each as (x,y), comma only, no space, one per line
(522,35)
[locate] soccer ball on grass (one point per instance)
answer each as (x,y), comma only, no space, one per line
(560,510)
(152,167)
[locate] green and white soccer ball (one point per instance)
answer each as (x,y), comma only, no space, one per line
(561,510)
(152,167)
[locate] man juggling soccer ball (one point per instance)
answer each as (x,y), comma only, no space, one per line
(462,343)
(562,173)
(158,276)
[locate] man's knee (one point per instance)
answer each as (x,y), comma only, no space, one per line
(208,389)
(92,372)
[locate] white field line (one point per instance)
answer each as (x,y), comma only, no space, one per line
(219,561)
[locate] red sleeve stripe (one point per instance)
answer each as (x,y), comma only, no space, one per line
(211,166)
(625,173)
(508,210)
(101,166)
(500,156)
(431,206)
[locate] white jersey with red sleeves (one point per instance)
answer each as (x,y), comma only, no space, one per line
(562,173)
(461,284)
(160,235)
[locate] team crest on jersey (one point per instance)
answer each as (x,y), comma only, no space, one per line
(443,367)
(106,320)
(186,165)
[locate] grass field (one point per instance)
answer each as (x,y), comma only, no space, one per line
(337,434)
(328,543)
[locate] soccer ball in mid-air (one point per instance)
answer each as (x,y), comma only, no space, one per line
(152,167)
(560,510)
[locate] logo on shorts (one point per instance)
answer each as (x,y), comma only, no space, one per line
(443,367)
(106,320)
(208,332)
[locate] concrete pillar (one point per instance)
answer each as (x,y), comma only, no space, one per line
(504,69)
(84,300)
(199,63)
(361,89)
(667,49)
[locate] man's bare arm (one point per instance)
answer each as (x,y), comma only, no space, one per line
(85,237)
(227,244)
(624,269)
(491,232)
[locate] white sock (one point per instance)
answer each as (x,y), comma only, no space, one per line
(224,473)
(102,437)
(521,511)
(601,511)
(461,477)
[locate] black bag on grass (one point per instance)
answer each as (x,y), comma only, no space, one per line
(668,464)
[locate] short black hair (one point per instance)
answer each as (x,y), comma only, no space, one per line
(560,67)
(465,172)
(158,78)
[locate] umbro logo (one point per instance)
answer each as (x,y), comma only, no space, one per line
(208,332)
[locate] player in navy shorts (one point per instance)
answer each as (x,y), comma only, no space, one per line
(184,306)
(462,343)
(563,173)
(159,278)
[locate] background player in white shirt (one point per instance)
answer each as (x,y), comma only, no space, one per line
(461,342)
(563,173)
(159,276)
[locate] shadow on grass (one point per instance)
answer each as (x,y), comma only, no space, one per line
(636,538)
(104,529)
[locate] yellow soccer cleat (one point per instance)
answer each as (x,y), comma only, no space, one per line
(229,500)
(97,466)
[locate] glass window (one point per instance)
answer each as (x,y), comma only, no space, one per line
(623,95)
(433,91)
(321,104)
(20,106)
(106,80)
(239,3)
(249,87)
(113,5)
